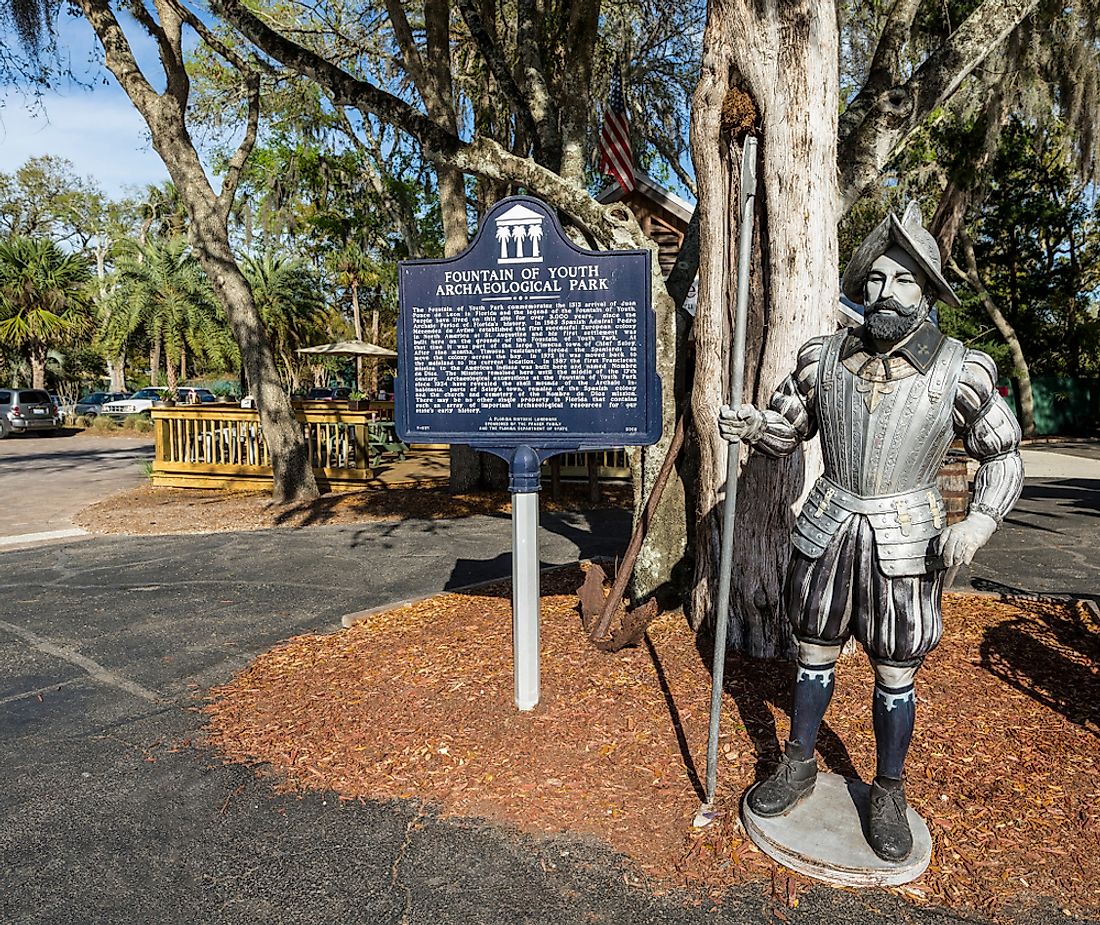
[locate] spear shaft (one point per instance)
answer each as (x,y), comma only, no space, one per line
(737,384)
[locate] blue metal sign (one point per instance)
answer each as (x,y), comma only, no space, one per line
(527,341)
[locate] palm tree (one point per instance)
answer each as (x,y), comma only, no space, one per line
(362,274)
(45,299)
(163,292)
(288,296)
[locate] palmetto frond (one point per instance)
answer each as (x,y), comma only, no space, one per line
(45,294)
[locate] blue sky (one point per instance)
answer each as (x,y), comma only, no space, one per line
(98,129)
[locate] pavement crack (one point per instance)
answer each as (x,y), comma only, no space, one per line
(92,667)
(415,823)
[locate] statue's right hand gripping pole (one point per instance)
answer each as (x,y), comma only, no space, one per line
(746,423)
(737,381)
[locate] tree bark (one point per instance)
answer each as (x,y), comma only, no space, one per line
(116,372)
(154,359)
(37,355)
(779,57)
(375,325)
(165,114)
(171,371)
(358,321)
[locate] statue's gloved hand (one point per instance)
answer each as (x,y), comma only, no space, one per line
(960,541)
(745,423)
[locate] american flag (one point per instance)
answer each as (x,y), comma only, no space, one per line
(616,157)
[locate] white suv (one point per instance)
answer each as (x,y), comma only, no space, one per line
(138,403)
(142,401)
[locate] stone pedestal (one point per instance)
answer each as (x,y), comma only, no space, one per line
(824,837)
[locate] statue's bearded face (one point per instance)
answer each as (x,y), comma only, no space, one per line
(894,302)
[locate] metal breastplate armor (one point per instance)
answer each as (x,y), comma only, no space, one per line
(884,433)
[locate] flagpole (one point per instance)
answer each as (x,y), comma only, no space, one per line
(706,813)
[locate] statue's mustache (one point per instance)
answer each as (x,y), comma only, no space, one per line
(892,304)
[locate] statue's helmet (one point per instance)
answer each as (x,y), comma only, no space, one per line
(912,237)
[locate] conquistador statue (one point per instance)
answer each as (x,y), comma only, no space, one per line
(871,543)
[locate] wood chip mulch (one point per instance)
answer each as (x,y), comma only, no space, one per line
(155,510)
(417,703)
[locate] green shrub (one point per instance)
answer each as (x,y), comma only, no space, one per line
(141,424)
(102,422)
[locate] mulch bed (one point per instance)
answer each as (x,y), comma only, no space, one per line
(417,703)
(154,510)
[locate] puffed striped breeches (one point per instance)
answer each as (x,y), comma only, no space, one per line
(843,592)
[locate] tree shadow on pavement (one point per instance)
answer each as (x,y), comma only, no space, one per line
(1050,654)
(1014,594)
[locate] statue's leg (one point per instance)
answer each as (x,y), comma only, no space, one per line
(814,681)
(894,714)
(900,626)
(817,599)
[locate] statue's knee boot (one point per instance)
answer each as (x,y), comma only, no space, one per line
(894,715)
(796,775)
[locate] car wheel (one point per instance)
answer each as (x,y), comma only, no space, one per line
(90,415)
(3,430)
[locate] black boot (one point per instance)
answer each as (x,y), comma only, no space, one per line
(792,782)
(889,835)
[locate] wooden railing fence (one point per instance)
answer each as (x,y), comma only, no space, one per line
(222,446)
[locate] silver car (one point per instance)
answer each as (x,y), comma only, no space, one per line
(27,410)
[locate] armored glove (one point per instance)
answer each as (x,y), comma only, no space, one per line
(960,541)
(746,423)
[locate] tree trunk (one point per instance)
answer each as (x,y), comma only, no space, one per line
(292,471)
(375,322)
(165,114)
(778,57)
(116,370)
(37,356)
(154,360)
(1021,371)
(170,370)
(357,319)
(655,570)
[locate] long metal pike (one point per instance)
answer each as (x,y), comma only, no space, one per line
(706,812)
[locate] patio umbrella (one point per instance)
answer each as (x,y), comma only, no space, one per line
(349,348)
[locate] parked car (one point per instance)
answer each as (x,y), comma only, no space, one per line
(142,401)
(26,410)
(91,405)
(336,394)
(139,403)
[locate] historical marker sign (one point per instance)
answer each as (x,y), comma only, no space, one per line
(526,339)
(526,345)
